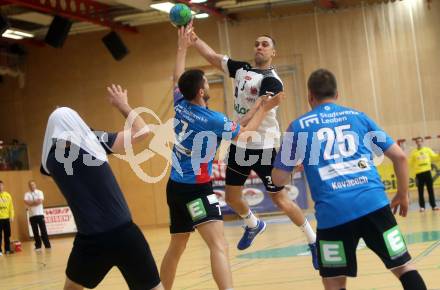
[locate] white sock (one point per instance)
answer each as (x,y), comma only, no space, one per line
(250,220)
(309,232)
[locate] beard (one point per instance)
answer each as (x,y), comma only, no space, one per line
(206,95)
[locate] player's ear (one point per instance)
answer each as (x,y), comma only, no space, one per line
(337,95)
(310,98)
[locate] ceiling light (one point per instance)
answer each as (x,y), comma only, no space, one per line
(198,1)
(201,15)
(164,7)
(13,36)
(20,33)
(16,34)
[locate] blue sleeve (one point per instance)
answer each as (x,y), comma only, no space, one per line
(177,95)
(285,159)
(378,136)
(224,128)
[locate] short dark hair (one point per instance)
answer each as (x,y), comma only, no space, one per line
(322,84)
(1,181)
(271,38)
(190,82)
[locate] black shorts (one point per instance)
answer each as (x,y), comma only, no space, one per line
(191,205)
(337,245)
(241,161)
(92,257)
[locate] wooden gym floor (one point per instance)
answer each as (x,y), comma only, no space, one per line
(277,260)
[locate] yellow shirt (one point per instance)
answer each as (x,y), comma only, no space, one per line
(6,206)
(420,159)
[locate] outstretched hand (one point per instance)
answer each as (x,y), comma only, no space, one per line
(184,34)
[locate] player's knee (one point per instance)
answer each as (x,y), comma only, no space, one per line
(398,272)
(281,202)
(338,283)
(232,199)
(70,285)
(178,247)
(219,246)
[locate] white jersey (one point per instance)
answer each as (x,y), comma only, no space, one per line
(251,83)
(32,196)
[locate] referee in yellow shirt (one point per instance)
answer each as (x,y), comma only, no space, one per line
(6,217)
(420,162)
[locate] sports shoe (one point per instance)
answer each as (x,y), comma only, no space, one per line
(250,234)
(314,252)
(7,253)
(436,208)
(37,249)
(422,209)
(1,254)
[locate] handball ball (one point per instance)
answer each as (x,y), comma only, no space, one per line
(180,15)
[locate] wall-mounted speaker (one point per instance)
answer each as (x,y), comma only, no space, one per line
(115,45)
(58,31)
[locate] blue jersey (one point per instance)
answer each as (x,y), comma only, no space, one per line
(199,132)
(336,146)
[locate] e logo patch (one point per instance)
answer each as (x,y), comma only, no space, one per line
(394,242)
(332,253)
(196,209)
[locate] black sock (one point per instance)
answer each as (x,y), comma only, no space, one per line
(412,280)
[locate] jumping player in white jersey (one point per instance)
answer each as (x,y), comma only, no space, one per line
(250,84)
(190,197)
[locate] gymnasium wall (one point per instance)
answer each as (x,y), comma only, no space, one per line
(385,58)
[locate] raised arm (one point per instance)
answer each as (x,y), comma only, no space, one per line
(139,130)
(183,42)
(401,199)
(207,52)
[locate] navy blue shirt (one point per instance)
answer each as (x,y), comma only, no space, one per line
(92,192)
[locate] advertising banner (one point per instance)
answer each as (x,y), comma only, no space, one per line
(255,193)
(59,220)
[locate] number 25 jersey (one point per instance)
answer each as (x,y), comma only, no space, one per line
(337,146)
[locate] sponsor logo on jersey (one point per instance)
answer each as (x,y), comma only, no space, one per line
(248,78)
(240,110)
(254,91)
(362,164)
(307,121)
(344,168)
